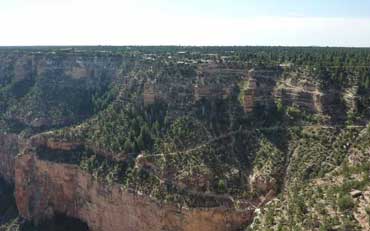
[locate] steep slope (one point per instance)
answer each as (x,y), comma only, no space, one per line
(336,200)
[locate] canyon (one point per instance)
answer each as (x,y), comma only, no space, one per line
(209,143)
(44,188)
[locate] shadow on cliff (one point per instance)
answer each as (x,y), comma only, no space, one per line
(60,222)
(8,209)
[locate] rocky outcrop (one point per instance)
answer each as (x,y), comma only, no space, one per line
(150,94)
(351,97)
(300,92)
(265,87)
(207,92)
(209,84)
(258,88)
(44,188)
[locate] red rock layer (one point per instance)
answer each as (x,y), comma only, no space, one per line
(43,188)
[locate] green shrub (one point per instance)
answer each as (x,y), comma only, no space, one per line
(221,185)
(293,112)
(345,202)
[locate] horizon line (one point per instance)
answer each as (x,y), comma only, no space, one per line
(179,45)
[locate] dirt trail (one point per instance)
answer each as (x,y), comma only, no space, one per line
(226,135)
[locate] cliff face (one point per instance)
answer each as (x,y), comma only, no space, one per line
(41,91)
(258,88)
(265,88)
(9,148)
(45,188)
(304,94)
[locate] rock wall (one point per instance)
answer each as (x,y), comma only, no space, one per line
(258,88)
(44,188)
(300,92)
(266,87)
(9,147)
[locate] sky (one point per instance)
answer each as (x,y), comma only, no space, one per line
(185,22)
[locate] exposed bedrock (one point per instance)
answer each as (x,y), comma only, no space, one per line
(45,188)
(266,87)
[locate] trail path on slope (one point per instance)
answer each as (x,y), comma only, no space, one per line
(226,135)
(246,204)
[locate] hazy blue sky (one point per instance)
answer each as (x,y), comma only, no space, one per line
(185,22)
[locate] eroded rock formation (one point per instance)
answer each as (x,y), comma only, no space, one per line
(44,188)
